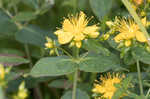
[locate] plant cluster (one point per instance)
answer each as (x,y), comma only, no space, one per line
(74,49)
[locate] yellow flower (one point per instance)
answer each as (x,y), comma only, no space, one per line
(2,72)
(49,43)
(128,30)
(75,30)
(106,87)
(145,22)
(22,92)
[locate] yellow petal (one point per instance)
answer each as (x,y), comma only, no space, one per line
(82,22)
(67,26)
(78,44)
(129,35)
(140,37)
(93,34)
(106,36)
(109,24)
(49,45)
(90,29)
(144,21)
(119,37)
(79,36)
(58,32)
(64,37)
(2,72)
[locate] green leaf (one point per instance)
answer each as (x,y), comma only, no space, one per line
(53,66)
(24,16)
(79,95)
(12,75)
(32,35)
(101,7)
(135,96)
(60,83)
(12,60)
(118,94)
(7,28)
(31,3)
(11,51)
(139,53)
(44,8)
(128,58)
(13,3)
(30,82)
(99,63)
(112,43)
(94,46)
(122,87)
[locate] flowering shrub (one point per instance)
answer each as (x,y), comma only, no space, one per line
(74,49)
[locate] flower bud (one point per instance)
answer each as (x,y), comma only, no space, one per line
(127,43)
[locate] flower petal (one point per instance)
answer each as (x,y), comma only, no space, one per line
(64,37)
(140,37)
(82,21)
(144,21)
(79,36)
(93,34)
(67,26)
(90,29)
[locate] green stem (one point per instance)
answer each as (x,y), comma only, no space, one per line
(1,3)
(75,52)
(37,89)
(75,4)
(139,77)
(136,18)
(75,84)
(28,54)
(57,53)
(148,93)
(76,56)
(64,51)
